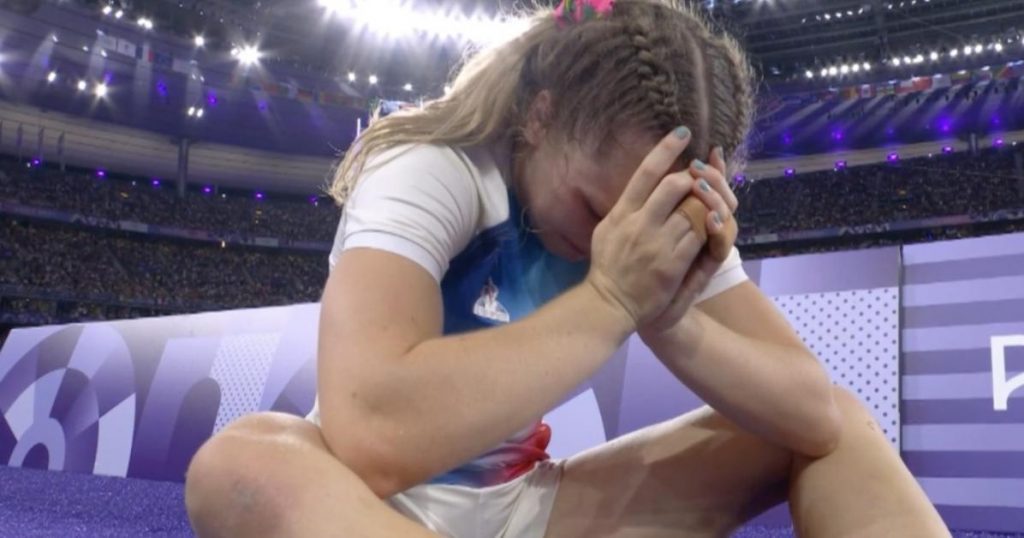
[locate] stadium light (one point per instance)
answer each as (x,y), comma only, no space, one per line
(954,53)
(101,90)
(934,56)
(892,157)
(824,72)
(334,6)
(978,49)
(808,74)
(968,50)
(247,54)
(867,66)
(844,69)
(200,41)
(407,87)
(107,9)
(840,165)
(82,85)
(200,112)
(946,150)
(373,79)
(998,47)
(855,68)
(351,76)
(833,71)
(119,14)
(896,62)
(145,23)
(790,172)
(52,77)
(191,111)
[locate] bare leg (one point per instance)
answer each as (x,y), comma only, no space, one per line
(862,489)
(270,474)
(700,475)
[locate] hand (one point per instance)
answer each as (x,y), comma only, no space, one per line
(717,199)
(643,248)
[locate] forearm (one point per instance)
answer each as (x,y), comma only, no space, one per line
(450,399)
(778,392)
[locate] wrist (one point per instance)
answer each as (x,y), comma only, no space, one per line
(611,313)
(685,334)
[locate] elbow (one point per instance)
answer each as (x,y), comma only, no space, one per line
(820,431)
(365,450)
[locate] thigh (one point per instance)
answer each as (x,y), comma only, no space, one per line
(696,475)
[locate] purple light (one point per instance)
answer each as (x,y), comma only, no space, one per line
(946,150)
(893,157)
(999,142)
(840,165)
(837,135)
(790,172)
(259,195)
(740,179)
(35,162)
(156,182)
(313,200)
(212,99)
(101,173)
(207,190)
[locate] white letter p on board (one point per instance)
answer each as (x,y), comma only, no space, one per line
(1002,387)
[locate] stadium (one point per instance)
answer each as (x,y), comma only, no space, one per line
(173,218)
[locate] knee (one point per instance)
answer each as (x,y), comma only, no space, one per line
(230,480)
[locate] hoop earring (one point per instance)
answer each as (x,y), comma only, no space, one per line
(523,224)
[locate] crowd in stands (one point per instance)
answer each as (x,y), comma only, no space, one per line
(54,272)
(116,198)
(940,185)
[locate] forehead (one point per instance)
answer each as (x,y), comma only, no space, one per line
(605,169)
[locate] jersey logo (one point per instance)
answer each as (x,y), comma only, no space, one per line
(488,307)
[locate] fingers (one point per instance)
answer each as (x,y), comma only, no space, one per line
(655,165)
(667,196)
(716,183)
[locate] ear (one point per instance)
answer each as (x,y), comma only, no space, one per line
(538,119)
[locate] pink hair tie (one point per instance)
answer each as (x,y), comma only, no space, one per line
(577,11)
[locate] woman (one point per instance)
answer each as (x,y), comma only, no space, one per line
(495,250)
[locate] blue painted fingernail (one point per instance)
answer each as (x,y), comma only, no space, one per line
(704,186)
(682,133)
(715,217)
(698,164)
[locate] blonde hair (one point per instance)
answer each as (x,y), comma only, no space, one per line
(650,64)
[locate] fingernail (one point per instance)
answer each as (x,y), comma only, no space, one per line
(682,133)
(704,186)
(720,153)
(717,218)
(698,164)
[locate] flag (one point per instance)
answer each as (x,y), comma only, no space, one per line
(107,42)
(127,48)
(960,77)
(941,81)
(181,66)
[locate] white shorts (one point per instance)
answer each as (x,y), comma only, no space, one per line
(516,509)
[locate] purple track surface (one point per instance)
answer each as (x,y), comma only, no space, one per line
(60,504)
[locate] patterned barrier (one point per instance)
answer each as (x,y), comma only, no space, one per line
(137,397)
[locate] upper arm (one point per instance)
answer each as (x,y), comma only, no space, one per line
(376,307)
